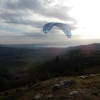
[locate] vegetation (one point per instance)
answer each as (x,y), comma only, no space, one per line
(89,89)
(20,69)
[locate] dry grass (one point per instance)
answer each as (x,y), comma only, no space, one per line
(89,89)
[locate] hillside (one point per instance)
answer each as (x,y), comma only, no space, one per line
(12,59)
(21,69)
(25,53)
(72,62)
(60,88)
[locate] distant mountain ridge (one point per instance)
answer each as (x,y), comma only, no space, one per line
(30,46)
(31,49)
(93,46)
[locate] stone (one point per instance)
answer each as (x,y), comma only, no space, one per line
(56,86)
(35,85)
(72,82)
(84,76)
(65,82)
(61,83)
(73,93)
(50,96)
(39,95)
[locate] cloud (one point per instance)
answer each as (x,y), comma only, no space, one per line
(35,35)
(26,18)
(19,11)
(24,4)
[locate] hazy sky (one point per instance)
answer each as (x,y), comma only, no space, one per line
(22,21)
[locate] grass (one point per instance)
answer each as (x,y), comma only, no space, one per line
(13,66)
(95,69)
(89,89)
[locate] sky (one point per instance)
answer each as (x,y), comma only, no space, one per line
(22,21)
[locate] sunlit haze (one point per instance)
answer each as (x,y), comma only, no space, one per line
(86,13)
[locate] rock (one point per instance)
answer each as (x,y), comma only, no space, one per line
(73,93)
(72,82)
(56,86)
(50,96)
(84,77)
(61,83)
(39,95)
(65,82)
(35,85)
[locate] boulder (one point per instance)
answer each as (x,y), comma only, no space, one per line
(56,86)
(73,93)
(35,85)
(72,82)
(50,96)
(84,77)
(39,95)
(65,82)
(61,83)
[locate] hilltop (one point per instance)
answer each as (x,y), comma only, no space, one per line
(80,89)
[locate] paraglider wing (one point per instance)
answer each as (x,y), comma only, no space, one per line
(47,27)
(65,28)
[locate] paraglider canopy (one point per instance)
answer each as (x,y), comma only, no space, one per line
(64,27)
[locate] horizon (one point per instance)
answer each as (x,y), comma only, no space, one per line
(44,46)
